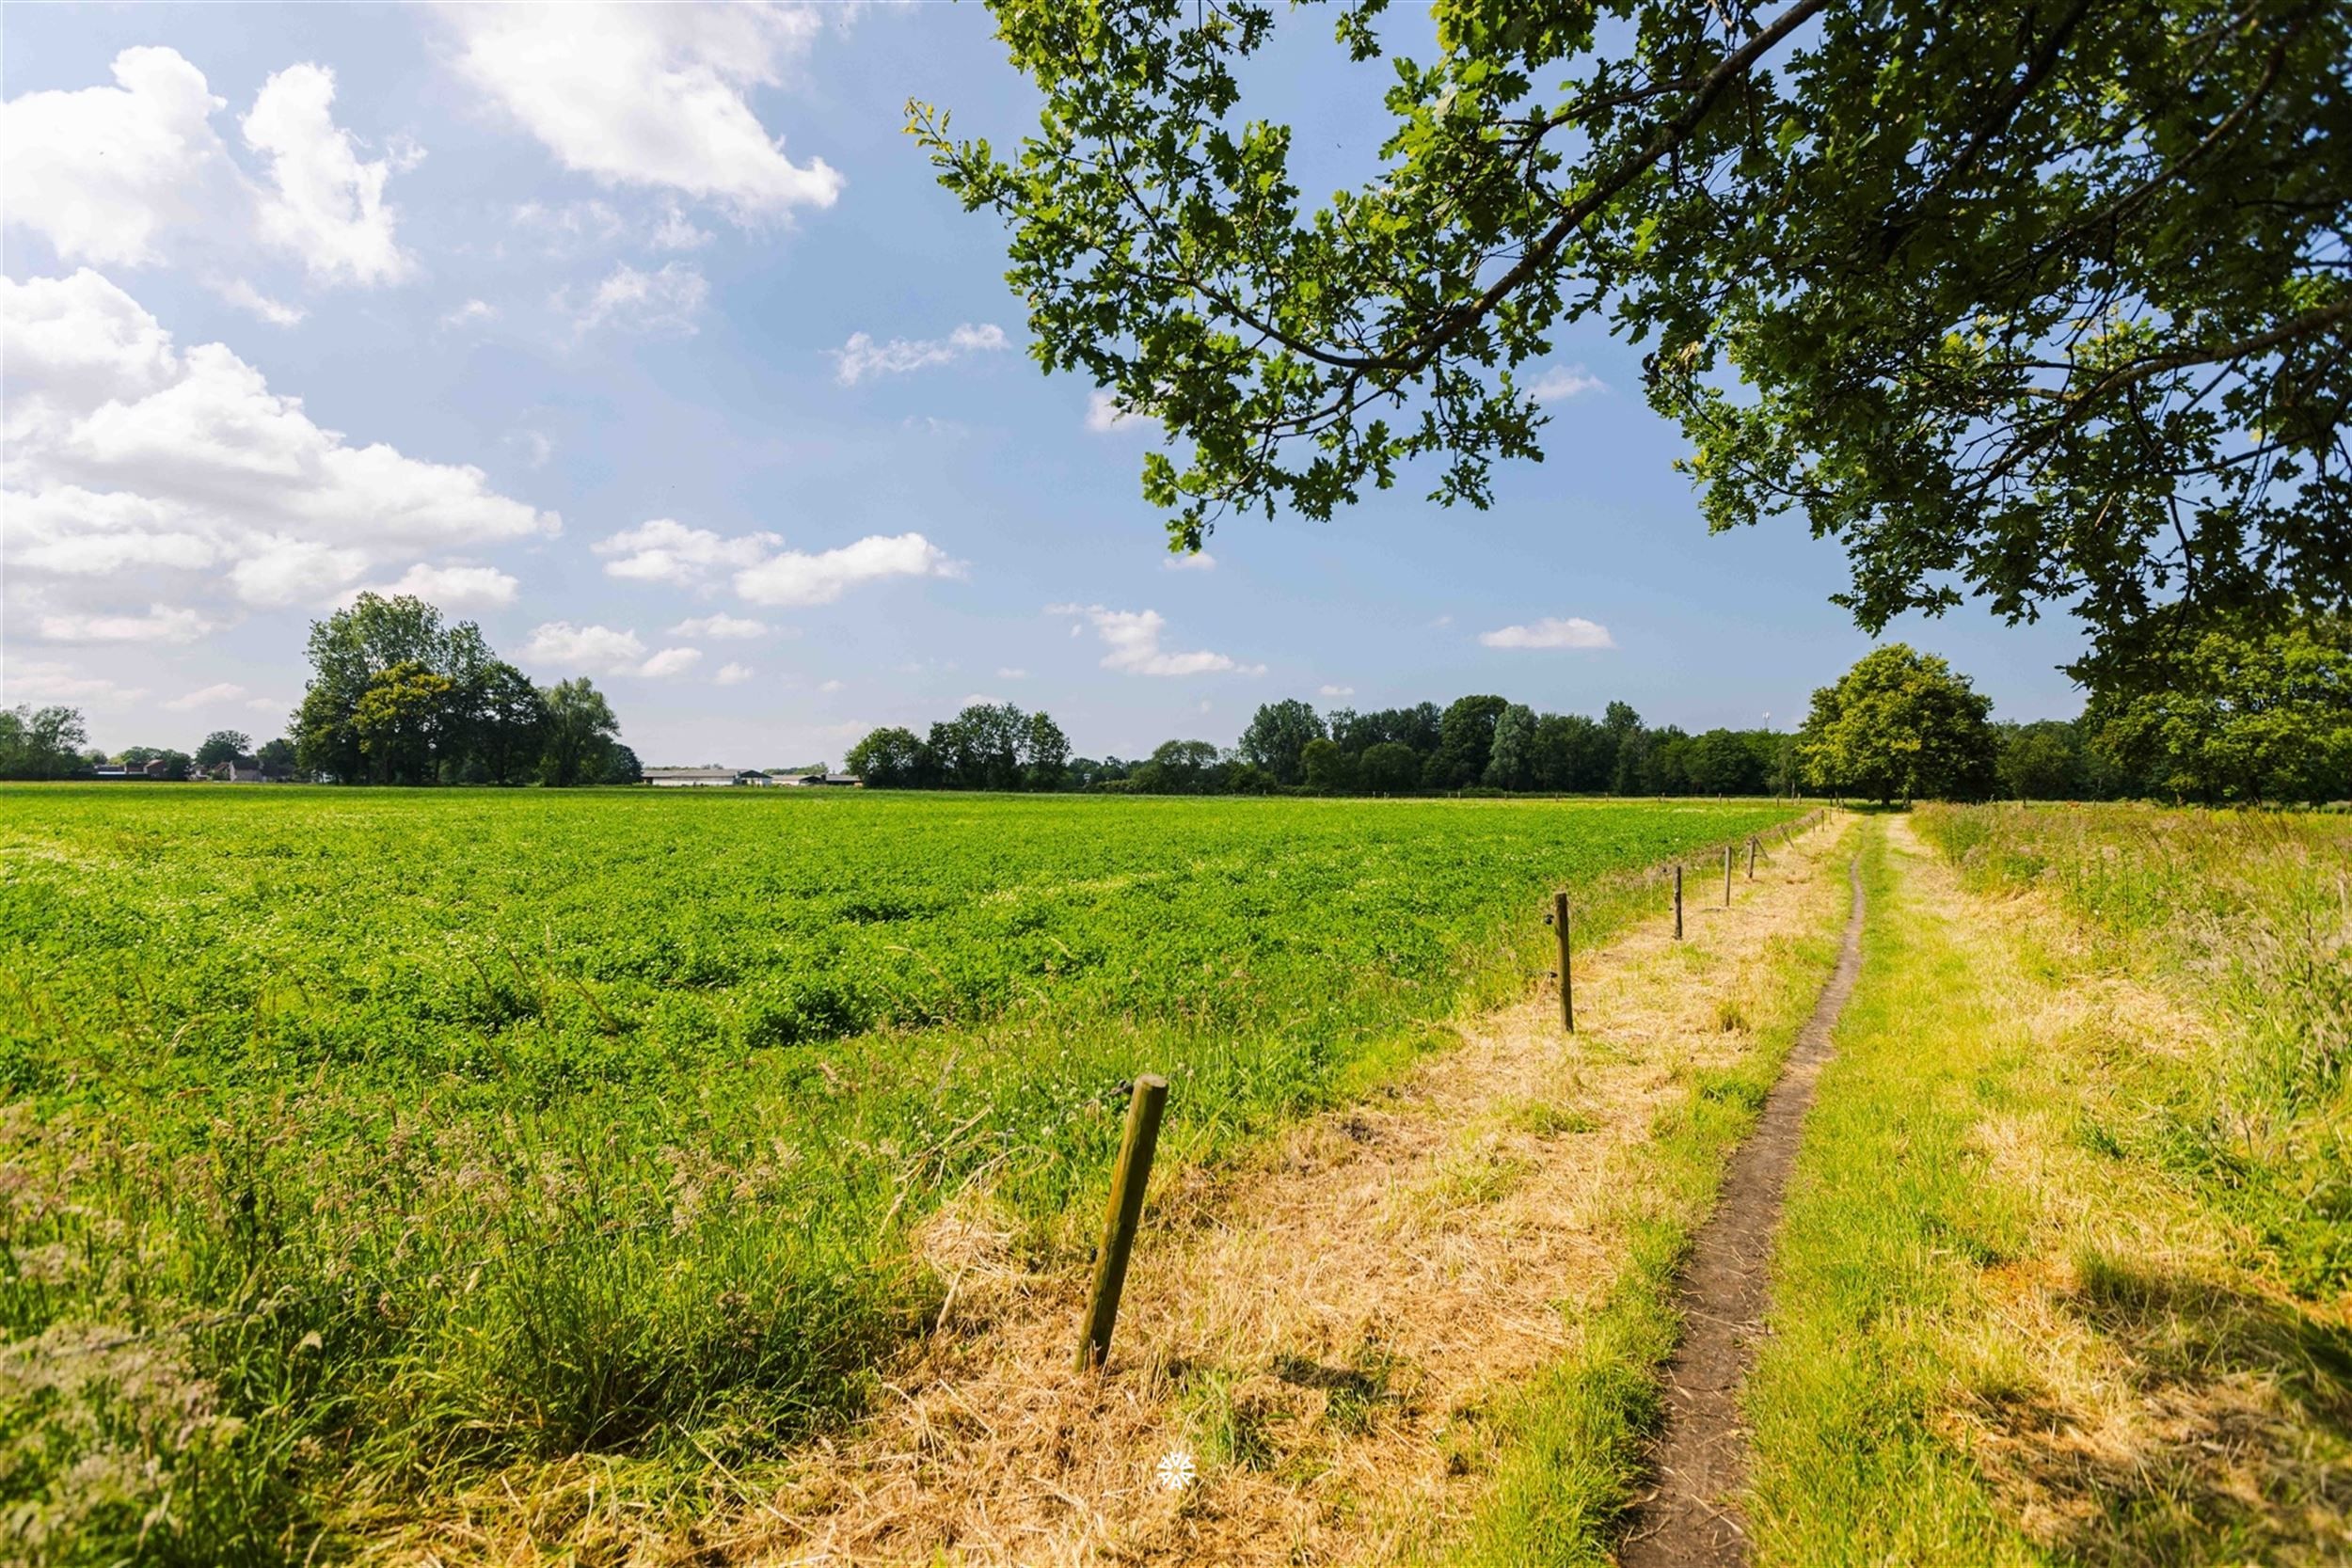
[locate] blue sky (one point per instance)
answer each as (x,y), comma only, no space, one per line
(646,339)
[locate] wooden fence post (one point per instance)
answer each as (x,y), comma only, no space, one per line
(1128,1179)
(1678,903)
(1751,857)
(1727,876)
(1568,978)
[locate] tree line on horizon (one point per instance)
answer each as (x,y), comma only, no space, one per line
(2256,719)
(396,696)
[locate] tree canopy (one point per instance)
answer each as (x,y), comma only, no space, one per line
(1900,726)
(2045,304)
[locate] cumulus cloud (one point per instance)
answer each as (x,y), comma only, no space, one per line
(602,651)
(325,204)
(1103,413)
(1134,638)
(830,686)
(456,586)
(861,356)
(720,626)
(732,674)
(471,312)
(1563,382)
(651,96)
(1335,692)
(666,550)
(161,624)
(38,681)
(245,296)
(1191,560)
(101,173)
(207,696)
(1010,673)
(126,453)
(797,578)
(664,300)
(1574,632)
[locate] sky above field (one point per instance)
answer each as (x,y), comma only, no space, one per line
(646,339)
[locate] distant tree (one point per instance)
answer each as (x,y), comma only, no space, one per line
(508,719)
(1388,768)
(2238,717)
(581,730)
(2041,760)
(276,757)
(95,757)
(1417,728)
(178,766)
(621,767)
(42,743)
(223,746)
(1465,738)
(891,758)
(1900,726)
(1725,762)
(398,721)
(1181,767)
(1277,736)
(1326,769)
(137,756)
(1044,753)
(1511,759)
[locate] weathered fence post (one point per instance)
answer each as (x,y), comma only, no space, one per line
(1128,1179)
(1568,978)
(1678,903)
(1751,857)
(1727,876)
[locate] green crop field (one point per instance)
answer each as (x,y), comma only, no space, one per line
(357,1144)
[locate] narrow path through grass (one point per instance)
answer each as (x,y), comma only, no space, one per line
(1997,1336)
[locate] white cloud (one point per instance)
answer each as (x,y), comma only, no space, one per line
(981,699)
(600,650)
(1335,691)
(861,356)
(102,172)
(245,296)
(1563,382)
(471,312)
(38,681)
(269,705)
(1011,674)
(1134,636)
(535,445)
(797,578)
(677,232)
(1574,632)
(454,586)
(603,651)
(161,624)
(830,686)
(125,452)
(209,696)
(325,205)
(666,550)
(1103,414)
(664,300)
(652,95)
(720,626)
(733,674)
(1191,560)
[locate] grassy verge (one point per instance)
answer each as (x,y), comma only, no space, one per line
(1565,1452)
(1999,1336)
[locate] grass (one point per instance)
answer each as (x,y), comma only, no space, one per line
(2000,1332)
(361,1143)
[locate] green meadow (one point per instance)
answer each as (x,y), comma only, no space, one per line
(357,1144)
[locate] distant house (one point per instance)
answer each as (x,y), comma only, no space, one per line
(691,778)
(837,780)
(114,772)
(238,772)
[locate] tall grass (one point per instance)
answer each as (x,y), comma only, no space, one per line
(361,1143)
(2248,915)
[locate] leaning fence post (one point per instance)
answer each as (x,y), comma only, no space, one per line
(1128,1179)
(1568,978)
(1751,857)
(1678,903)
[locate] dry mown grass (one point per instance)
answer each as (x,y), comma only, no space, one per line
(1321,1329)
